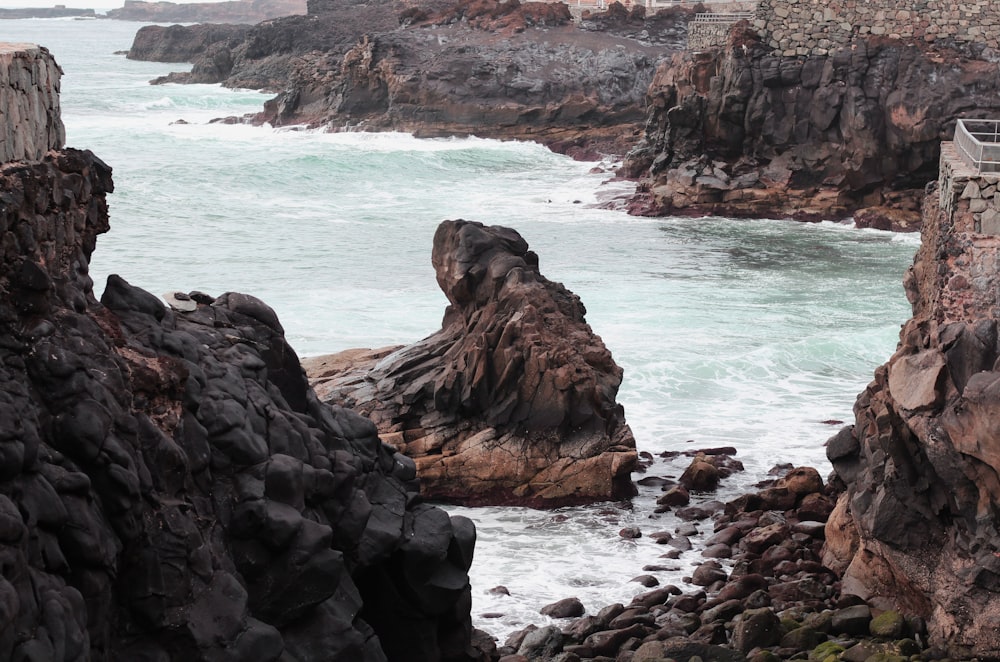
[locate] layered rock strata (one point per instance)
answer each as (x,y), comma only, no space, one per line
(170,486)
(743,131)
(512,401)
(918,525)
(492,69)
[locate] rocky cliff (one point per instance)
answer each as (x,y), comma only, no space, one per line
(918,525)
(512,401)
(234,11)
(742,131)
(486,68)
(170,486)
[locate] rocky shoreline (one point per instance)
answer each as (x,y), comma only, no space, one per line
(506,70)
(174,488)
(761,591)
(737,131)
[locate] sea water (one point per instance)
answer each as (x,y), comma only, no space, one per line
(754,334)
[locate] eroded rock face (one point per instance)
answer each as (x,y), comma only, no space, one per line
(170,486)
(744,132)
(512,401)
(918,525)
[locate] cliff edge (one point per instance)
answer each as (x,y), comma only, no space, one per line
(816,110)
(917,527)
(170,486)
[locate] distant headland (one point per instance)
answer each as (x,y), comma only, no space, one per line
(234,11)
(58,11)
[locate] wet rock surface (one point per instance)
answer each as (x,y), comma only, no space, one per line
(512,401)
(172,488)
(772,598)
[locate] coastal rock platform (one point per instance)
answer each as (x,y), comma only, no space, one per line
(512,401)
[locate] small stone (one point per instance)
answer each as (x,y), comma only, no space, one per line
(851,620)
(889,624)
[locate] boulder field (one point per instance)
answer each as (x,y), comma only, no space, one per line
(512,401)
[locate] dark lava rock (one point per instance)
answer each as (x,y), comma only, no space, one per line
(171,486)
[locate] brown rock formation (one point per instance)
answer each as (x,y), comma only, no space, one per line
(918,527)
(743,132)
(513,400)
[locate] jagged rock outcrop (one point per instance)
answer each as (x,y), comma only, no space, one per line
(918,527)
(512,401)
(170,486)
(742,131)
(233,11)
(480,67)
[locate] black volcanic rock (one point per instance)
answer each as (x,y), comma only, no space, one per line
(170,486)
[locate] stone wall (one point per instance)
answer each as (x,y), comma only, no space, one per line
(703,35)
(30,124)
(969,203)
(814,27)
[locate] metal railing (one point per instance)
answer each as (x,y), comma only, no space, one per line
(978,144)
(723,18)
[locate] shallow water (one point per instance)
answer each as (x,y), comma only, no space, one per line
(730,332)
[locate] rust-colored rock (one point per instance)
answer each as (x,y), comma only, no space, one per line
(917,528)
(513,400)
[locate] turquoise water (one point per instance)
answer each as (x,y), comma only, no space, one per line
(743,333)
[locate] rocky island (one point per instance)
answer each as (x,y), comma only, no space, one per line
(512,402)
